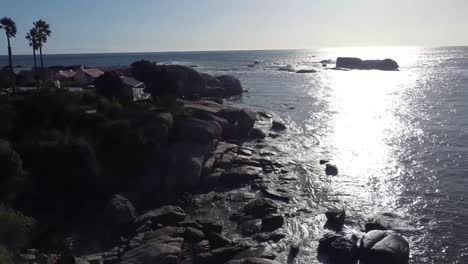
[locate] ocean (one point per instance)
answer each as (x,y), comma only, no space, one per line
(399,139)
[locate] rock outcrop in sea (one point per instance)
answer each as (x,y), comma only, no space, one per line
(359,64)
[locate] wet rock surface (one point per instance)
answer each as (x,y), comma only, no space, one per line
(384,247)
(337,248)
(250,204)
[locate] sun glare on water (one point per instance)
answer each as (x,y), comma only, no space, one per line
(366,124)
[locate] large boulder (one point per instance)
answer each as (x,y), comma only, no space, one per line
(186,161)
(163,246)
(164,215)
(384,247)
(272,222)
(246,122)
(260,207)
(356,63)
(337,249)
(198,130)
(387,221)
(231,85)
(190,82)
(120,210)
(335,218)
(240,175)
(213,86)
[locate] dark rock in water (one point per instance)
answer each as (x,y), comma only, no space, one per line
(272,194)
(193,235)
(339,69)
(356,63)
(306,71)
(240,175)
(257,134)
(273,236)
(327,61)
(212,179)
(293,251)
(246,122)
(323,162)
(259,261)
(230,84)
(203,246)
(217,240)
(251,227)
(260,207)
(120,210)
(240,217)
(384,247)
(189,223)
(273,135)
(210,225)
(264,115)
(331,169)
(208,166)
(159,246)
(386,221)
(219,255)
(337,248)
(335,218)
(164,215)
(272,222)
(277,125)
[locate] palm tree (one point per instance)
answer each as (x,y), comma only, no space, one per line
(32,36)
(43,32)
(9,26)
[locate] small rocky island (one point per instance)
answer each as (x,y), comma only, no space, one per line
(359,64)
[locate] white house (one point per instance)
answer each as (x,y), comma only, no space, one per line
(87,76)
(134,88)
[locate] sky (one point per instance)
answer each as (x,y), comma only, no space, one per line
(94,26)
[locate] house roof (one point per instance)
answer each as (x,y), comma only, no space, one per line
(93,72)
(131,82)
(66,74)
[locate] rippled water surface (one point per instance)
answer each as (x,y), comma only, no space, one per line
(399,139)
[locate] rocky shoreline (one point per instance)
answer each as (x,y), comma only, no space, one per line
(232,174)
(211,157)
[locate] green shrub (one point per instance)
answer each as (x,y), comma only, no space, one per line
(110,107)
(11,172)
(62,175)
(109,85)
(46,109)
(15,229)
(5,256)
(7,119)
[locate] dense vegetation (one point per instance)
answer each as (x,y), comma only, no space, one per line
(63,154)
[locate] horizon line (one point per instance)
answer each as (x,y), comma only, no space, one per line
(234,50)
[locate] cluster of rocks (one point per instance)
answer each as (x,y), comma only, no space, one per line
(197,152)
(195,84)
(380,243)
(359,64)
(168,235)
